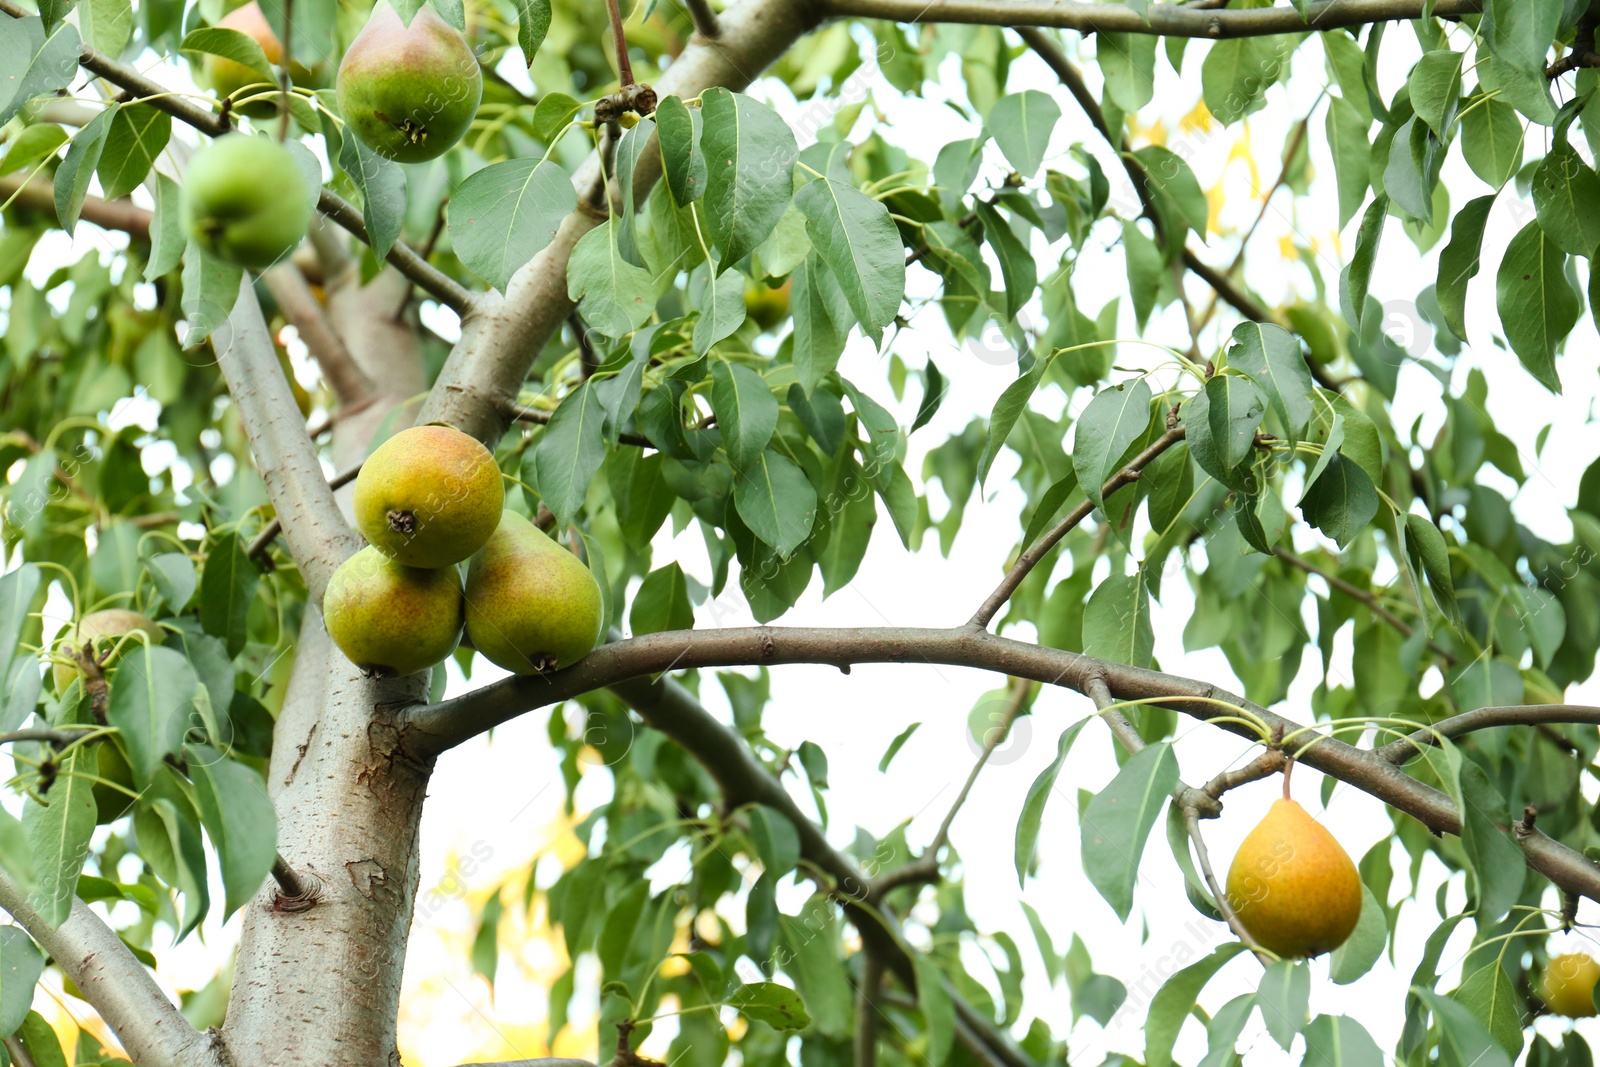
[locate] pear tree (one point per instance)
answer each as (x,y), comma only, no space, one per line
(640,328)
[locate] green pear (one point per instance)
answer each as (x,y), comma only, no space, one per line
(531,605)
(391,619)
(227,78)
(244,201)
(409,92)
(1293,886)
(429,496)
(103,629)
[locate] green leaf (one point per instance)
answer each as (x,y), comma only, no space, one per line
(615,297)
(167,238)
(662,603)
(1341,501)
(138,134)
(1234,410)
(1488,993)
(817,970)
(1032,814)
(486,942)
(1430,545)
(1491,141)
(776,501)
(46,57)
(1195,887)
(1116,621)
(1489,850)
(21,965)
(634,143)
(1435,85)
(843,541)
(1357,277)
(240,820)
(1176,999)
(1113,420)
(1238,71)
(150,704)
(1017,266)
(173,575)
(746,410)
(1284,995)
(822,321)
(1538,306)
(854,235)
(768,1002)
(1118,820)
(1362,949)
(1021,124)
(533,22)
(227,586)
(1050,505)
(678,130)
(1273,359)
(750,154)
(1566,195)
(720,300)
(1520,31)
(41,1041)
(210,288)
(505,214)
(896,745)
(233,45)
(1458,263)
(72,176)
(382,185)
(59,831)
(169,839)
(18,588)
(570,453)
(1463,1040)
(1340,1041)
(1412,171)
(31,145)
(777,841)
(1346,130)
(938,1012)
(1175,190)
(552,115)
(1128,62)
(1007,410)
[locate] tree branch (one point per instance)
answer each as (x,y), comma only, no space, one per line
(1031,555)
(349,382)
(1166,20)
(522,413)
(319,538)
(150,1027)
(1398,752)
(120,214)
(271,530)
(441,286)
(431,729)
(704,19)
(1366,597)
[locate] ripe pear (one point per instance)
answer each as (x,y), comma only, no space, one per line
(531,605)
(409,92)
(429,496)
(390,619)
(244,201)
(104,629)
(1293,886)
(1567,985)
(226,77)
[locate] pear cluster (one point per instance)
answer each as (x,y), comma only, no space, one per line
(429,499)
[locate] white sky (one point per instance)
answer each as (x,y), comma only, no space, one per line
(494,805)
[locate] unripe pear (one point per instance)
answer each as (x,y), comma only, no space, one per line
(1567,985)
(244,201)
(226,77)
(409,92)
(531,605)
(429,496)
(390,619)
(110,802)
(1293,886)
(103,629)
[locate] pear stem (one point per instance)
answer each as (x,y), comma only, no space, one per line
(1288,768)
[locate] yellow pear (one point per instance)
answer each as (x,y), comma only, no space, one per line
(1567,985)
(104,629)
(392,619)
(1293,886)
(429,496)
(531,605)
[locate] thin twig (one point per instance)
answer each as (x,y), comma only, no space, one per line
(1398,752)
(1191,824)
(1032,554)
(1366,597)
(270,531)
(65,735)
(522,413)
(284,81)
(624,64)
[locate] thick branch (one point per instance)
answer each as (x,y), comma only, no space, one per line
(349,382)
(1400,751)
(150,1027)
(319,538)
(705,20)
(441,286)
(432,729)
(1167,20)
(121,214)
(1032,554)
